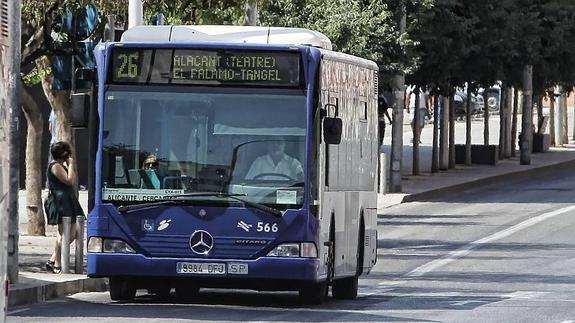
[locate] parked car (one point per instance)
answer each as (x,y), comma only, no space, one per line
(493,97)
(460,102)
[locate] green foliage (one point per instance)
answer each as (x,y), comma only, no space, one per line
(362,28)
(447,42)
(196,12)
(36,75)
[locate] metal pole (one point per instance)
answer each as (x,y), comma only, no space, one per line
(135,13)
(382,173)
(65,250)
(13,91)
(79,255)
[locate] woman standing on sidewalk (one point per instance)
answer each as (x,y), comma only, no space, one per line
(62,200)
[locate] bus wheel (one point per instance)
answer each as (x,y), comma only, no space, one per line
(162,293)
(121,289)
(314,293)
(187,292)
(346,288)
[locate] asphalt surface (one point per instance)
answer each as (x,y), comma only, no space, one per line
(500,253)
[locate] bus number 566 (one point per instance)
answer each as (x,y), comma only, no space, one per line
(267,227)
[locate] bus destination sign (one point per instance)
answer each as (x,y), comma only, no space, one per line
(204,67)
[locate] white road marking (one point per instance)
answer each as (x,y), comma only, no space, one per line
(465,250)
(525,294)
(462,303)
(17,311)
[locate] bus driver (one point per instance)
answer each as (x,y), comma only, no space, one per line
(276,164)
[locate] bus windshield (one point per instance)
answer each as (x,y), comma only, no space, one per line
(161,143)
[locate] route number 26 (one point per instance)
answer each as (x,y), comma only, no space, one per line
(267,227)
(129,66)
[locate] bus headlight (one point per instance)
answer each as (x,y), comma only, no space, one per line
(303,249)
(97,244)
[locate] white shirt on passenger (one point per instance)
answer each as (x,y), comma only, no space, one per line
(288,166)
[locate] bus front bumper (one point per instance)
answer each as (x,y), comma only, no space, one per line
(137,265)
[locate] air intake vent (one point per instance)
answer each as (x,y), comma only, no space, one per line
(375,81)
(4,22)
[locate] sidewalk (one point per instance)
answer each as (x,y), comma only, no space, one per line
(35,285)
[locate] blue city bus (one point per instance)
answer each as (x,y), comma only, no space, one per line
(230,163)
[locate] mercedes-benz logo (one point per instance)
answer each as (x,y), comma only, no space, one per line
(201,242)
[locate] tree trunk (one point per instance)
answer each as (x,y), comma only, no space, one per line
(35,211)
(508,115)
(485,118)
(552,117)
(251,13)
(468,127)
(565,119)
(416,135)
(514,121)
(435,149)
(502,120)
(396,164)
(527,117)
(60,103)
(539,113)
(451,131)
(443,134)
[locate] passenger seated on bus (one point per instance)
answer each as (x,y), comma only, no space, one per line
(276,164)
(149,173)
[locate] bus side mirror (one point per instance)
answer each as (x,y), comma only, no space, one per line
(79,110)
(332,128)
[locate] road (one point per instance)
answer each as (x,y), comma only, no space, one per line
(494,254)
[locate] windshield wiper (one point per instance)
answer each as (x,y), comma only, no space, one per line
(233,196)
(168,200)
(126,208)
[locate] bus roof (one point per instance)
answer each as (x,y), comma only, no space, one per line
(229,34)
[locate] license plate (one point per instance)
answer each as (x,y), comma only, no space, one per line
(200,268)
(237,268)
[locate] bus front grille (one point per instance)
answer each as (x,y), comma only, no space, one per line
(179,246)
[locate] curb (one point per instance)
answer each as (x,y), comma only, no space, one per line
(514,176)
(35,294)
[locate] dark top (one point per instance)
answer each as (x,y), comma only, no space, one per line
(63,199)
